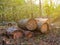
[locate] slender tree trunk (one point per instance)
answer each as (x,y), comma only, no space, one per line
(40,7)
(31,8)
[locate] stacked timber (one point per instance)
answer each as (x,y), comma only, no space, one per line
(40,24)
(22,23)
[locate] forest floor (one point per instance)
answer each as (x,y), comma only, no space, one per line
(51,38)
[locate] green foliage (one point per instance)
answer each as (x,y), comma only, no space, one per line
(14,10)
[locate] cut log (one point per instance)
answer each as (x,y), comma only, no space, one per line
(17,34)
(31,24)
(22,23)
(43,25)
(28,34)
(44,28)
(28,24)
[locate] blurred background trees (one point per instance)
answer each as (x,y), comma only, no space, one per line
(14,10)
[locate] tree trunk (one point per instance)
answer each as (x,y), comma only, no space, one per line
(38,24)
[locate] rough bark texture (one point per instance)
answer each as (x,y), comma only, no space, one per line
(22,23)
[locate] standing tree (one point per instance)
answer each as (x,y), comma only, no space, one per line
(40,6)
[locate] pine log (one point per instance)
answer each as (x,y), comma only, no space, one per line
(17,34)
(22,23)
(43,25)
(44,28)
(28,24)
(28,34)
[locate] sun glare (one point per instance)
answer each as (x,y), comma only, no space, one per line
(56,2)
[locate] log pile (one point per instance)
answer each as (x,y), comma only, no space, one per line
(28,25)
(39,24)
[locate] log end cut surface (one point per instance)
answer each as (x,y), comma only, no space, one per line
(44,28)
(31,24)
